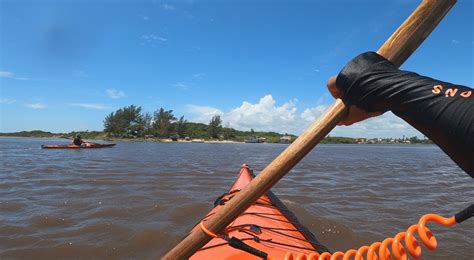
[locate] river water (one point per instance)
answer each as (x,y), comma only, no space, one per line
(138,199)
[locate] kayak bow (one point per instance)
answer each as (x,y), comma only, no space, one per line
(266,227)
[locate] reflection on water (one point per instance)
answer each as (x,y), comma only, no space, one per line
(138,199)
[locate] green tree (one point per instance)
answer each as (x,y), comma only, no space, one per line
(215,126)
(162,125)
(147,123)
(414,140)
(227,132)
(112,125)
(181,126)
(125,122)
(197,130)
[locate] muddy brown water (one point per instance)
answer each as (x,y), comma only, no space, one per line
(138,199)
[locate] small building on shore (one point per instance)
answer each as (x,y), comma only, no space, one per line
(286,139)
(256,140)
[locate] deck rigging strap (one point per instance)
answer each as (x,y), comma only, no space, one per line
(253,230)
(235,242)
(221,200)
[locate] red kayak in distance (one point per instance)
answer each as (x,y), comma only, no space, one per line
(73,146)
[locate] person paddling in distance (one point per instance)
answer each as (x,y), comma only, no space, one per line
(78,141)
(444,112)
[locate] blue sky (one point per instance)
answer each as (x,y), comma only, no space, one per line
(64,65)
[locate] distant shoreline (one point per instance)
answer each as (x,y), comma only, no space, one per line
(158,140)
(96,135)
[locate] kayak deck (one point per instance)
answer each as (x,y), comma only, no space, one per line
(73,146)
(267,226)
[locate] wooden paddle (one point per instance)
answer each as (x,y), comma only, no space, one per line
(397,49)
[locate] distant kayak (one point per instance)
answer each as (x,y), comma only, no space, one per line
(73,146)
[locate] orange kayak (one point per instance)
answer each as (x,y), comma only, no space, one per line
(267,227)
(73,146)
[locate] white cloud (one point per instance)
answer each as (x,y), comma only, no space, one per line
(387,125)
(263,115)
(204,110)
(167,7)
(199,75)
(266,115)
(6,74)
(36,105)
(152,39)
(10,75)
(7,101)
(92,106)
(203,113)
(145,18)
(311,114)
(113,93)
(455,41)
(181,86)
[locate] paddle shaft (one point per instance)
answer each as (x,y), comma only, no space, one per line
(397,49)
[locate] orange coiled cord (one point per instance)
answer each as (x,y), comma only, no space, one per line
(397,249)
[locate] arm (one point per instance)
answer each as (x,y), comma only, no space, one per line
(442,111)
